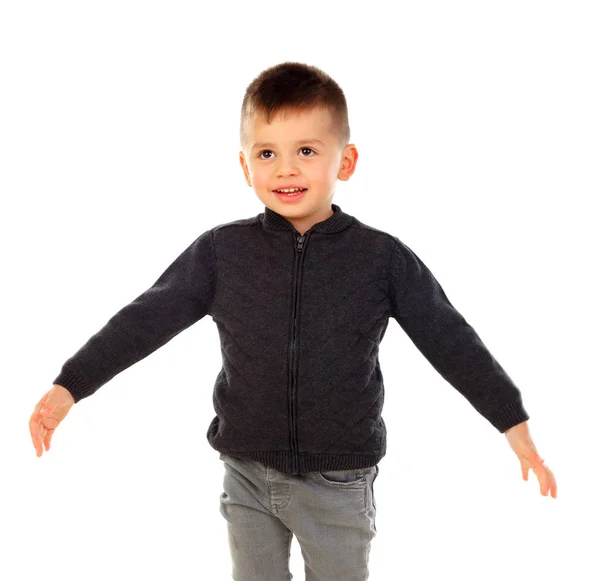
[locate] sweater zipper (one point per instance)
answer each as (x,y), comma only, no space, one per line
(299,242)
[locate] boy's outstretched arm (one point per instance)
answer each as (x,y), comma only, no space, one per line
(181,296)
(453,347)
(520,441)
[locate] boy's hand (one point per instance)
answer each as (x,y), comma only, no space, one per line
(46,416)
(520,441)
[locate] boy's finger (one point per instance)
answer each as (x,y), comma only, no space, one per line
(35,438)
(32,427)
(551,482)
(554,490)
(524,471)
(542,477)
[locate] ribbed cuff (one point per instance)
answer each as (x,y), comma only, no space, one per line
(77,386)
(508,416)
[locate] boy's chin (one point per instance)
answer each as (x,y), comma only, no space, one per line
(284,206)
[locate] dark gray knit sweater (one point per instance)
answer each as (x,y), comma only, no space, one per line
(300,320)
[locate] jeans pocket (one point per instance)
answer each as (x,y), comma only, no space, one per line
(342,477)
(373,487)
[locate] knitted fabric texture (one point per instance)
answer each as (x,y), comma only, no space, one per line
(300,320)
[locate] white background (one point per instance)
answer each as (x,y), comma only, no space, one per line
(477,126)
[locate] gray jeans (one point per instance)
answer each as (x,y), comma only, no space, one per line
(331,513)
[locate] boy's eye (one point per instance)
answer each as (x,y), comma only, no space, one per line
(269,151)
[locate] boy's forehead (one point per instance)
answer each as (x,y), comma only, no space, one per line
(290,116)
(318,118)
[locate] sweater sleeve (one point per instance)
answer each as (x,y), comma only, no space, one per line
(181,296)
(448,342)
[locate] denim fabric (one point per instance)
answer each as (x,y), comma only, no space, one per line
(332,515)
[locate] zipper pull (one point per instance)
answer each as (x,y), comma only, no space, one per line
(300,243)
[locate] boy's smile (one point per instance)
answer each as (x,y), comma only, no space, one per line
(296,150)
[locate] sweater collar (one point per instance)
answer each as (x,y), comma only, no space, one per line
(335,223)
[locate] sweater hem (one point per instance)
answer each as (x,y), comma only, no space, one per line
(307,461)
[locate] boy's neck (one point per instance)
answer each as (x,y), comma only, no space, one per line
(303,224)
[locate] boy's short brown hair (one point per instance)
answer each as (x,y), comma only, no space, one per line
(294,86)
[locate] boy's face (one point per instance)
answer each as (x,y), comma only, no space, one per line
(297,149)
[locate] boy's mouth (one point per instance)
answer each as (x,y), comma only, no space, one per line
(286,194)
(290,192)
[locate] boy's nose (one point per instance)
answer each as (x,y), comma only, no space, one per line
(286,167)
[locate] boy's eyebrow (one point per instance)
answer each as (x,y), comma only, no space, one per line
(311,140)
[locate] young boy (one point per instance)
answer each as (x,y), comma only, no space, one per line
(301,295)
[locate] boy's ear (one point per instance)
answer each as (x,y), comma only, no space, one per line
(245,168)
(348,164)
